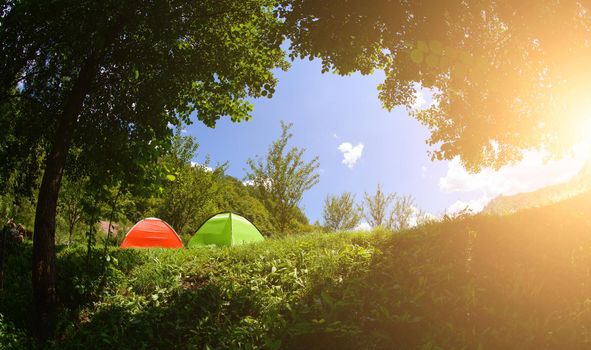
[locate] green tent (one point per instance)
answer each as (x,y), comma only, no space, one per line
(225,229)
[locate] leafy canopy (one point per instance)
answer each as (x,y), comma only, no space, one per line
(157,63)
(506,76)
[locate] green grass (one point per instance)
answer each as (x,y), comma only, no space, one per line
(520,281)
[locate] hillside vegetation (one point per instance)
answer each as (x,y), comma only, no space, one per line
(481,282)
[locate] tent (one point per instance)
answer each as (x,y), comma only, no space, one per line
(152,233)
(225,229)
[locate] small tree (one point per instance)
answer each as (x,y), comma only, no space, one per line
(70,203)
(424,218)
(375,207)
(390,211)
(190,189)
(281,179)
(402,212)
(340,212)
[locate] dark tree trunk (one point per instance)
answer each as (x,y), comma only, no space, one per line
(113,206)
(43,273)
(44,257)
(90,234)
(70,232)
(2,253)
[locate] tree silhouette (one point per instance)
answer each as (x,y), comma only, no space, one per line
(506,76)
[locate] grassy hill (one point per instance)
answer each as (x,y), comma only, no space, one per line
(481,282)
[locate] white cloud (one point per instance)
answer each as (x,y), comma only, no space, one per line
(363,226)
(530,174)
(335,136)
(351,154)
(414,219)
(419,217)
(207,168)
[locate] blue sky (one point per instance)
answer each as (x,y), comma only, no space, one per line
(328,110)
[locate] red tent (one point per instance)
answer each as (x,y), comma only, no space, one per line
(152,233)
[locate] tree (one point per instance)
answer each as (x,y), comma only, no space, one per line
(375,207)
(424,218)
(191,190)
(74,74)
(402,212)
(390,210)
(239,198)
(340,212)
(281,179)
(506,76)
(70,203)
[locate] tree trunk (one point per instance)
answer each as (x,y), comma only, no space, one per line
(44,257)
(43,273)
(2,254)
(70,232)
(90,234)
(113,206)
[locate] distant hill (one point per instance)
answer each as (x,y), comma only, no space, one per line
(544,196)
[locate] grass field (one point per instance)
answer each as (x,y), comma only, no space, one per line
(488,282)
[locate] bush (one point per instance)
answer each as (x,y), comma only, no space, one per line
(12,338)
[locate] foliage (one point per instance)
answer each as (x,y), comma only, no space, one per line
(12,338)
(402,212)
(239,198)
(340,212)
(6,207)
(488,64)
(20,208)
(191,190)
(391,211)
(162,62)
(471,282)
(281,179)
(375,207)
(70,203)
(92,88)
